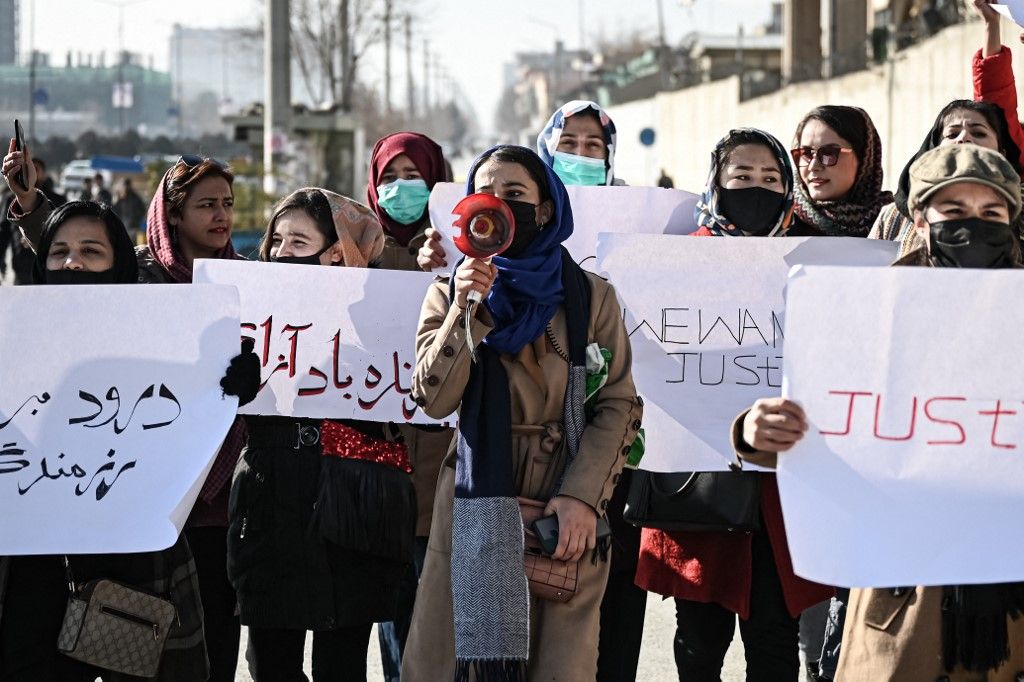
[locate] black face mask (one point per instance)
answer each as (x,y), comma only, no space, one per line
(80,277)
(972,243)
(526,227)
(755,210)
(302,260)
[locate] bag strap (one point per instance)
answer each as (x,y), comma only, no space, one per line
(71,578)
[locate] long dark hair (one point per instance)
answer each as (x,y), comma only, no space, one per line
(993,116)
(126,267)
(510,153)
(314,204)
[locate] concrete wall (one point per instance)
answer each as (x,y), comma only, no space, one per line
(902,96)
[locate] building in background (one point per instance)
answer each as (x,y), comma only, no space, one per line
(8,31)
(80,95)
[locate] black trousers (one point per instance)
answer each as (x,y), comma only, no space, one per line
(275,655)
(220,624)
(770,636)
(624,604)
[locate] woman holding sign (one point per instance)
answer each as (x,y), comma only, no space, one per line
(85,243)
(527,430)
(963,199)
(716,576)
(190,217)
(323,512)
(404,168)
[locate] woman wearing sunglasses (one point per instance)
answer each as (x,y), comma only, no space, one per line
(838,156)
(190,217)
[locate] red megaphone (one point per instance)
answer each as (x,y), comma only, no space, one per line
(486,225)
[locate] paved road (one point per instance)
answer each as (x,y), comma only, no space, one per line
(656,664)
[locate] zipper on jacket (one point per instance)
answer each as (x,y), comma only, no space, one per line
(132,618)
(245,522)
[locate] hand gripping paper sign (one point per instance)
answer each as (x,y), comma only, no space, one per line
(640,210)
(705,320)
(111,412)
(913,468)
(333,342)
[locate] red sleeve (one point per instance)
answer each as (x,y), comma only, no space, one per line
(702,232)
(994,82)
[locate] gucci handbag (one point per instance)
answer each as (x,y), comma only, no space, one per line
(550,579)
(695,501)
(115,627)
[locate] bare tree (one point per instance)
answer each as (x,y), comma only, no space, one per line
(329,37)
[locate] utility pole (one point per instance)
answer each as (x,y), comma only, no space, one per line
(663,61)
(387,55)
(410,90)
(32,72)
(426,77)
(277,83)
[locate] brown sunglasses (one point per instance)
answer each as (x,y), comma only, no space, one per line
(827,155)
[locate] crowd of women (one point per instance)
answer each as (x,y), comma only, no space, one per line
(331,526)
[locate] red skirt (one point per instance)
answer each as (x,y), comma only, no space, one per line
(717,567)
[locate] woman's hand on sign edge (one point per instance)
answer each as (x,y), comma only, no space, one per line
(13,163)
(473,275)
(774,425)
(431,255)
(983,9)
(577,527)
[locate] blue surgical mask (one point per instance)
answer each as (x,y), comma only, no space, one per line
(404,200)
(580,170)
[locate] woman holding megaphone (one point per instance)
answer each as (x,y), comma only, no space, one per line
(532,426)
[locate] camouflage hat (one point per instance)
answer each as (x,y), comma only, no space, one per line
(951,164)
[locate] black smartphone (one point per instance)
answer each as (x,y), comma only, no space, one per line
(546,530)
(19,145)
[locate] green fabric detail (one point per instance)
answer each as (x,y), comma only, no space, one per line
(597,377)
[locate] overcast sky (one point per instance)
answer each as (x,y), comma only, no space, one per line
(473,39)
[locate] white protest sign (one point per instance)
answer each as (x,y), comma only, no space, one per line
(111,412)
(1011,9)
(639,210)
(705,317)
(913,468)
(334,342)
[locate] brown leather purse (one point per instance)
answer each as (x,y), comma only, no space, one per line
(550,579)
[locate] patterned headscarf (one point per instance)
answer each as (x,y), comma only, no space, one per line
(854,214)
(707,212)
(360,233)
(547,141)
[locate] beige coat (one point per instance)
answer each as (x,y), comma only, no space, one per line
(563,637)
(427,445)
(896,635)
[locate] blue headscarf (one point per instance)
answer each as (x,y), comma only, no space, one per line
(529,288)
(547,141)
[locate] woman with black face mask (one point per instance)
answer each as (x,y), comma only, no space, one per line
(526,430)
(717,576)
(85,243)
(322,511)
(963,199)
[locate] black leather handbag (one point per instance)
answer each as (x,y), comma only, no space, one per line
(695,501)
